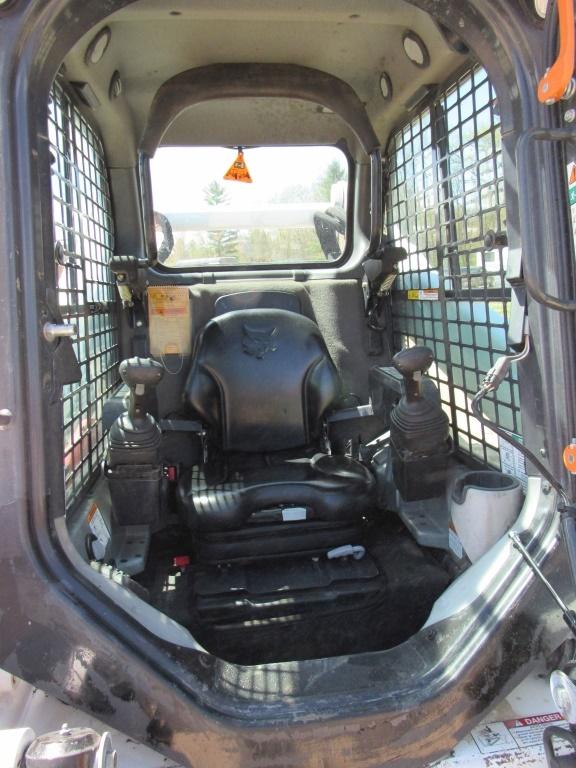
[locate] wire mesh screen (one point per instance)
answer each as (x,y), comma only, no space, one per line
(83,232)
(445,195)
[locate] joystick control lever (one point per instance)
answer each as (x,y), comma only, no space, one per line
(412,363)
(134,459)
(419,431)
(140,374)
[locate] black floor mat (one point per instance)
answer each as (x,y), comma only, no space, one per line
(286,610)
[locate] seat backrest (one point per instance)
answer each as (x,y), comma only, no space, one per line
(262,380)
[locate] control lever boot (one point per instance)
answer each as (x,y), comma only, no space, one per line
(140,374)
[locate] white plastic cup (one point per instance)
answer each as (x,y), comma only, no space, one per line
(483,506)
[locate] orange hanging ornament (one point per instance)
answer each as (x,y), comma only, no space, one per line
(238,170)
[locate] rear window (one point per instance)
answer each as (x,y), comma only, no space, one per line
(293,211)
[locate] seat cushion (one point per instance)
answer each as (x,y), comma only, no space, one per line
(276,540)
(323,488)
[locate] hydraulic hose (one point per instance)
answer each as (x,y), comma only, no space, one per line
(491,382)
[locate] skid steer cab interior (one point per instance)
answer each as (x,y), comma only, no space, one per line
(290,294)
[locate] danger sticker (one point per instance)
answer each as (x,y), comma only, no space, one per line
(423,294)
(528,731)
(517,742)
(522,722)
(572,183)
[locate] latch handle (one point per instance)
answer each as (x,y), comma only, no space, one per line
(557,82)
(53,331)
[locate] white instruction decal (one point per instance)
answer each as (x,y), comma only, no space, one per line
(493,737)
(512,462)
(289,514)
(423,294)
(98,526)
(455,544)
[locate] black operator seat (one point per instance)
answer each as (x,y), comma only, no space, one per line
(262,381)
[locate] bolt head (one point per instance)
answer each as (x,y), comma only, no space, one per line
(570,115)
(6,417)
(570,90)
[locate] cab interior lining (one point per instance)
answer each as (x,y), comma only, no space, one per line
(230,82)
(330,38)
(224,605)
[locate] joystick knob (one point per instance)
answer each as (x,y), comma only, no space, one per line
(410,362)
(140,374)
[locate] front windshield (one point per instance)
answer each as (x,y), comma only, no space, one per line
(292,211)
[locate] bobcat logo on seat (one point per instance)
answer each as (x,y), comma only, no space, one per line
(259,341)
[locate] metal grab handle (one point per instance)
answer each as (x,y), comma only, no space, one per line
(53,331)
(557,81)
(531,202)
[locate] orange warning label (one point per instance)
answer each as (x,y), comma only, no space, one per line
(168,301)
(238,170)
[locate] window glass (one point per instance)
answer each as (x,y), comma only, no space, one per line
(293,210)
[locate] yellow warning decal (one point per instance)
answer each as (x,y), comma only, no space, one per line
(425,294)
(238,170)
(169,314)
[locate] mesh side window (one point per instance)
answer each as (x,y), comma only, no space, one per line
(83,227)
(445,192)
